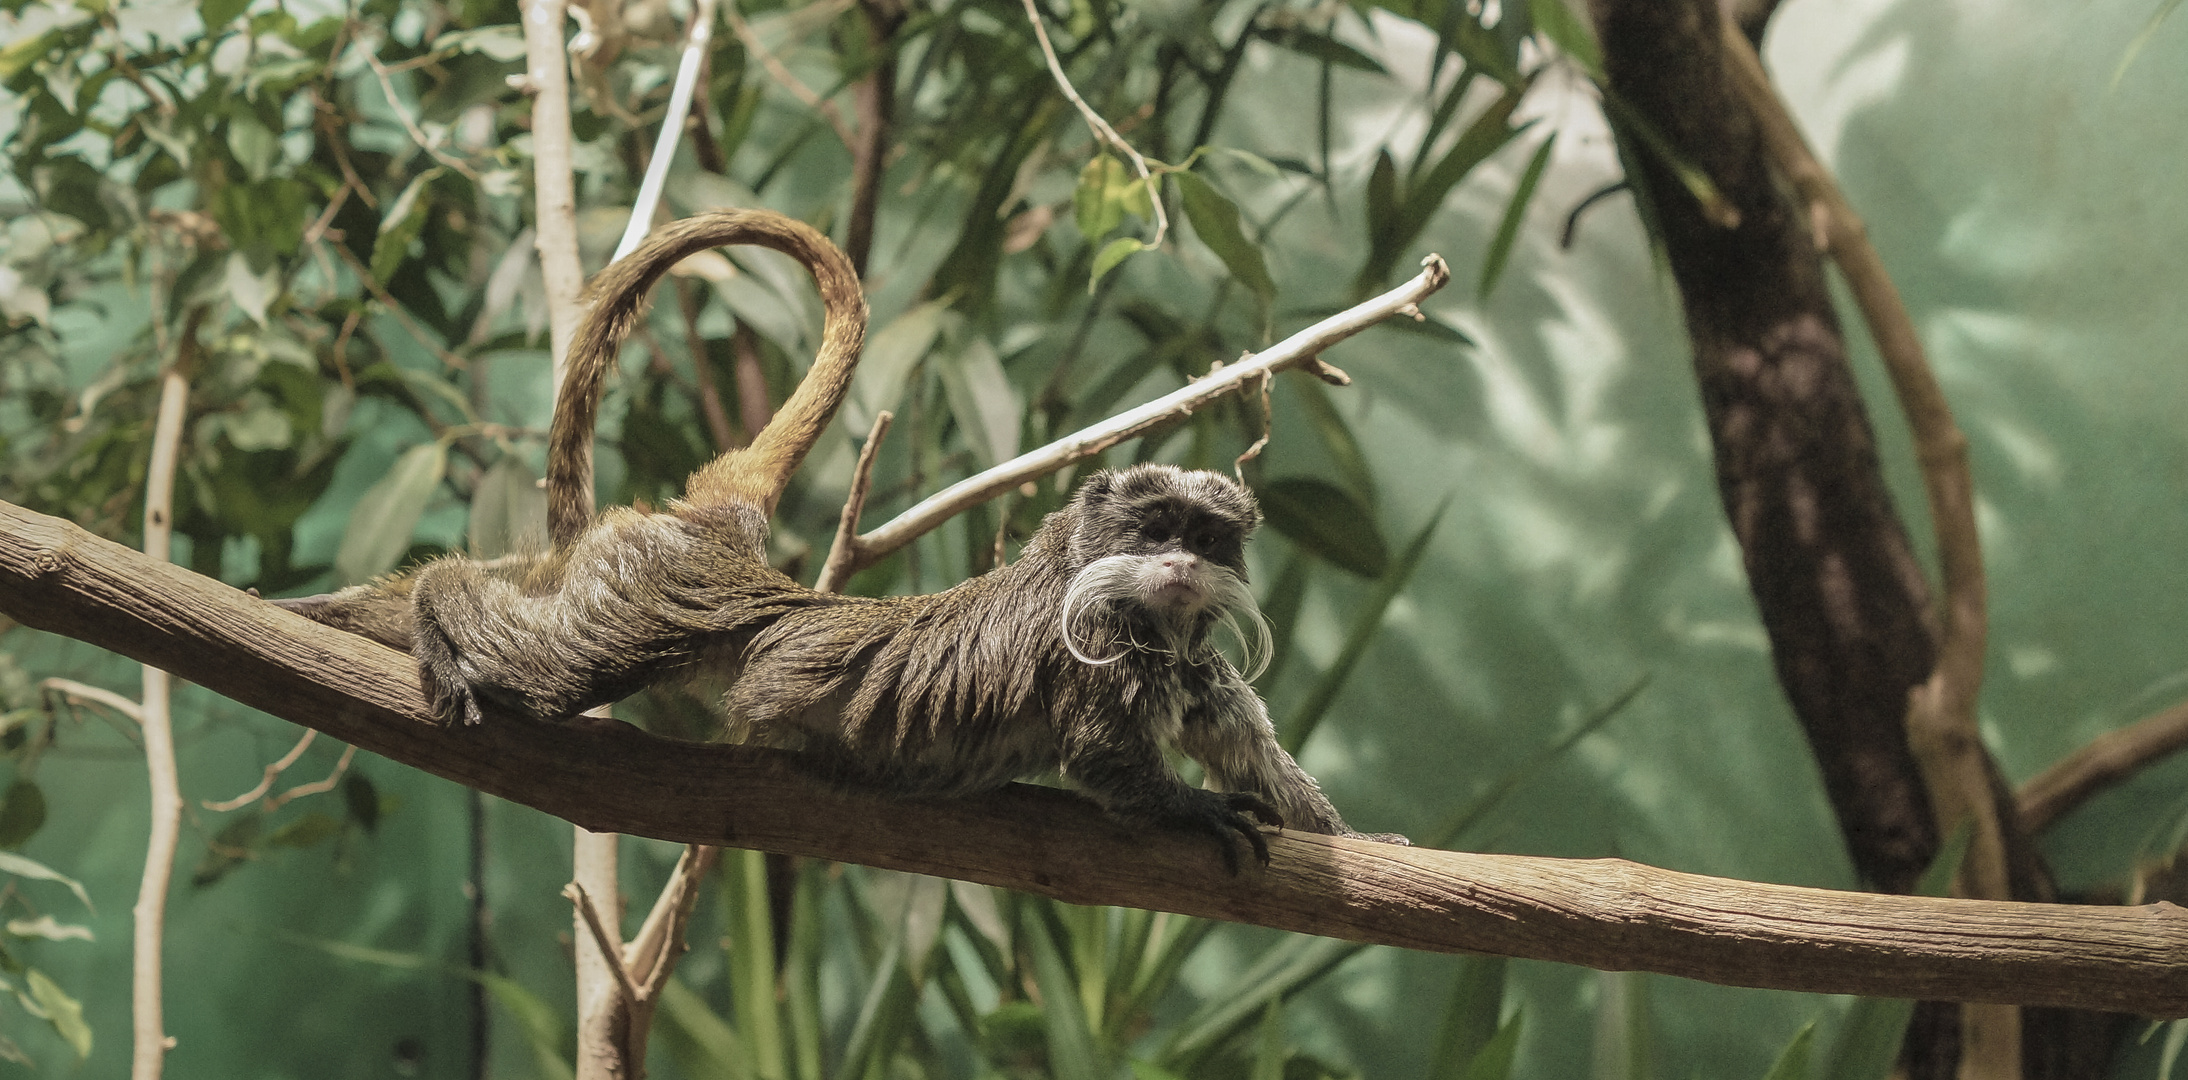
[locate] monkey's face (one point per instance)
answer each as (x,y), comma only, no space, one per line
(1160,553)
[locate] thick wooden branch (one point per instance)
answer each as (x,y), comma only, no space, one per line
(609,776)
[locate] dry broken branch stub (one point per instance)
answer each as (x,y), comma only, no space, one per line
(610,776)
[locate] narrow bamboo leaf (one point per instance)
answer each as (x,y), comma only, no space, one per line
(1564,29)
(883,1016)
(891,355)
(1479,806)
(1868,1041)
(1112,253)
(703,1042)
(1382,194)
(801,971)
(2135,47)
(1281,972)
(1622,1033)
(1500,248)
(1176,938)
(65,1013)
(1215,221)
(1072,1054)
(508,511)
(1483,49)
(1792,1063)
(1320,47)
(1336,435)
(387,514)
(21,812)
(305,831)
(1485,136)
(1269,1045)
(1628,120)
(987,407)
(1328,521)
(1494,1062)
(1282,610)
(750,943)
(1091,206)
(25,867)
(2176,1033)
(1304,719)
(1471,1020)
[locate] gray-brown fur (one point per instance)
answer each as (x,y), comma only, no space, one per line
(959,691)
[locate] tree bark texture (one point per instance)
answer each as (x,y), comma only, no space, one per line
(1835,578)
(611,777)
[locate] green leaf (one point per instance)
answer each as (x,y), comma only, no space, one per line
(361,801)
(25,867)
(305,831)
(253,292)
(1558,23)
(230,848)
(1281,972)
(2134,48)
(1494,1062)
(1320,47)
(1215,221)
(1308,715)
(219,13)
(1868,1040)
(1328,521)
(1792,1063)
(1628,121)
(1116,251)
(1072,1054)
(1382,193)
(1500,248)
(503,43)
(49,928)
(892,354)
(508,511)
(1470,1021)
(263,217)
(22,811)
(65,1013)
(1268,1061)
(703,1042)
(404,219)
(985,404)
(1092,205)
(254,147)
(749,941)
(1478,807)
(381,524)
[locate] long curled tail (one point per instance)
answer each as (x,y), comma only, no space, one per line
(756,474)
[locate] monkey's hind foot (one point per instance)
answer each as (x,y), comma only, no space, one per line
(1229,816)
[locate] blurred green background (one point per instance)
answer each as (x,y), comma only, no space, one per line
(2030,210)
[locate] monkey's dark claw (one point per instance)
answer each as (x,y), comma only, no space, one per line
(1230,816)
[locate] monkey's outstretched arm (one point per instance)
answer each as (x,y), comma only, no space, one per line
(1230,734)
(1117,760)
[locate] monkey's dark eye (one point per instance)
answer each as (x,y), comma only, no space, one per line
(1205,541)
(1157,532)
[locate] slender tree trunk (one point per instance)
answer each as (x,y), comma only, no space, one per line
(1835,578)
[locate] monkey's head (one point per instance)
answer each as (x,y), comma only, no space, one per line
(1160,554)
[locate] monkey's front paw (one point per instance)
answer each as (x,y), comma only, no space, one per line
(1230,816)
(454,700)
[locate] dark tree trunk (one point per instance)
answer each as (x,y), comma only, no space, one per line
(1834,576)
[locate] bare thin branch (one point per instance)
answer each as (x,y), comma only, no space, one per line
(589,916)
(265,783)
(783,76)
(84,693)
(843,555)
(317,787)
(417,135)
(1302,349)
(150,1042)
(2108,759)
(1102,130)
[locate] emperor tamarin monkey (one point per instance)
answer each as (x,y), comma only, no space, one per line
(1088,656)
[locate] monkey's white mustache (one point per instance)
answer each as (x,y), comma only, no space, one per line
(1129,580)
